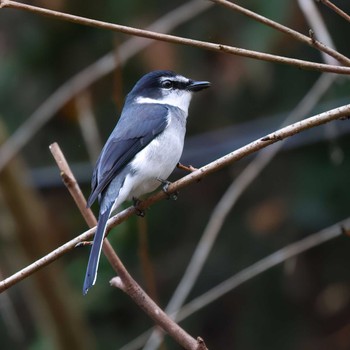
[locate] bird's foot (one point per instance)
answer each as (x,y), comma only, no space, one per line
(166,184)
(136,203)
(188,168)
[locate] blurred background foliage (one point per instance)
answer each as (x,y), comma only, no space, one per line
(304,304)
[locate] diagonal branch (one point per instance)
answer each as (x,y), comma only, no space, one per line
(336,9)
(319,119)
(319,29)
(286,30)
(278,257)
(75,191)
(179,40)
(274,259)
(124,280)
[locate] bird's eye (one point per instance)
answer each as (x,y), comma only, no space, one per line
(167,84)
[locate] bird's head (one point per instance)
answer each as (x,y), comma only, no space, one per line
(166,87)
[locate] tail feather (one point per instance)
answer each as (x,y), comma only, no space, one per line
(95,253)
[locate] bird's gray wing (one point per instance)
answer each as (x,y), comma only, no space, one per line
(136,128)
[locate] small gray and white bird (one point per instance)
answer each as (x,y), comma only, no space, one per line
(142,150)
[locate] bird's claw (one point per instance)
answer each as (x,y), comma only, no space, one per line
(139,212)
(165,188)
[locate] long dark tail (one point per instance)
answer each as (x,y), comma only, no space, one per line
(95,253)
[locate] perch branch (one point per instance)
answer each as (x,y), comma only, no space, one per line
(290,130)
(178,40)
(124,281)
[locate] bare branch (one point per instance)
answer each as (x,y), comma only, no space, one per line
(319,29)
(92,73)
(124,281)
(319,119)
(72,185)
(272,260)
(336,9)
(263,265)
(292,33)
(181,40)
(75,191)
(3,3)
(88,125)
(130,287)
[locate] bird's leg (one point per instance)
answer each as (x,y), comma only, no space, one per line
(188,168)
(136,203)
(165,184)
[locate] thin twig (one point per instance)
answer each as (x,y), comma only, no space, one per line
(319,29)
(263,265)
(72,185)
(103,66)
(129,285)
(145,259)
(248,273)
(134,291)
(319,119)
(335,9)
(88,125)
(180,40)
(292,33)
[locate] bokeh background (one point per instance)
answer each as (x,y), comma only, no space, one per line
(302,304)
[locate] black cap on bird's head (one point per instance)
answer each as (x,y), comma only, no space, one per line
(160,83)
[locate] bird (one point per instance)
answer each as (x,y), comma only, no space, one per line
(142,150)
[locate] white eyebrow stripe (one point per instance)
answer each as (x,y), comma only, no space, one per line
(179,78)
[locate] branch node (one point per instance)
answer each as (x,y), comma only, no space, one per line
(117,283)
(67,180)
(138,211)
(83,244)
(273,137)
(188,168)
(312,36)
(201,344)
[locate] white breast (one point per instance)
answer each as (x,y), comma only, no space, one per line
(157,160)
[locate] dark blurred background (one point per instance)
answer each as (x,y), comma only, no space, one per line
(303,304)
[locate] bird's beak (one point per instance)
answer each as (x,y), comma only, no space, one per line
(198,85)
